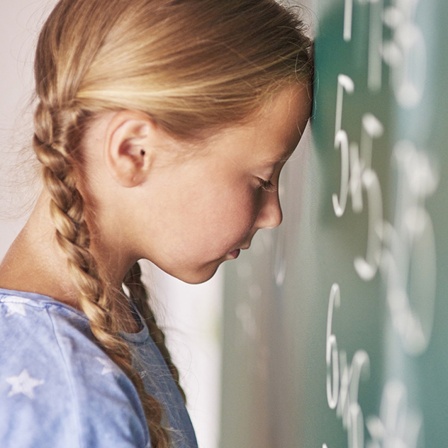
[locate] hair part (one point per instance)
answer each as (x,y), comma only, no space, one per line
(194,67)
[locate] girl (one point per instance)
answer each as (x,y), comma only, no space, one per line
(161,127)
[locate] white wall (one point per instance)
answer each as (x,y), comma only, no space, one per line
(192,317)
(19,22)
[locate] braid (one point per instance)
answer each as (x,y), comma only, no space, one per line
(95,297)
(139,295)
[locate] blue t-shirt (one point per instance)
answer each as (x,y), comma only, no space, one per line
(59,389)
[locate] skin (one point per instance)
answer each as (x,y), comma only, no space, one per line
(185,209)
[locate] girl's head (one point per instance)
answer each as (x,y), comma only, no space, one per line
(165,122)
(192,66)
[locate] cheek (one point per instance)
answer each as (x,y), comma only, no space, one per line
(210,216)
(229,215)
(243,208)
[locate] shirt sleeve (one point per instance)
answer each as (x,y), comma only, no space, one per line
(58,389)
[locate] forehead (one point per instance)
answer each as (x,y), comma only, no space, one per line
(282,120)
(269,136)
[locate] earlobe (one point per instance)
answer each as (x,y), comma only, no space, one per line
(129,147)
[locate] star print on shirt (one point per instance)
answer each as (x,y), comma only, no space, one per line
(23,384)
(108,366)
(15,308)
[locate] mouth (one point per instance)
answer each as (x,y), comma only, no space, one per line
(235,253)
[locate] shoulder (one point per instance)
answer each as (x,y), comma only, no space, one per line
(57,387)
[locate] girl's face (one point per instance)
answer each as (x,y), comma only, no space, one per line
(205,208)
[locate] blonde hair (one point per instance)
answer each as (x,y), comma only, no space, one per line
(193,66)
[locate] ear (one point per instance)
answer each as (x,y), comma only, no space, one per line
(129,147)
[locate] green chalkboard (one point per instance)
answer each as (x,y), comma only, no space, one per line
(335,326)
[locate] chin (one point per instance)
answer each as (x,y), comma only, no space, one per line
(196,277)
(193,275)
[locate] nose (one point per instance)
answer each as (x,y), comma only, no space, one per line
(270,215)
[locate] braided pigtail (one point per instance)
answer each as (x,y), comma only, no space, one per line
(95,297)
(139,295)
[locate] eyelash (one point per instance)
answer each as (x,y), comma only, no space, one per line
(267,185)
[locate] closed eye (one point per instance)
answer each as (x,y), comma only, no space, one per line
(267,185)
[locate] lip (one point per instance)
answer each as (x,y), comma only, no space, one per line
(235,253)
